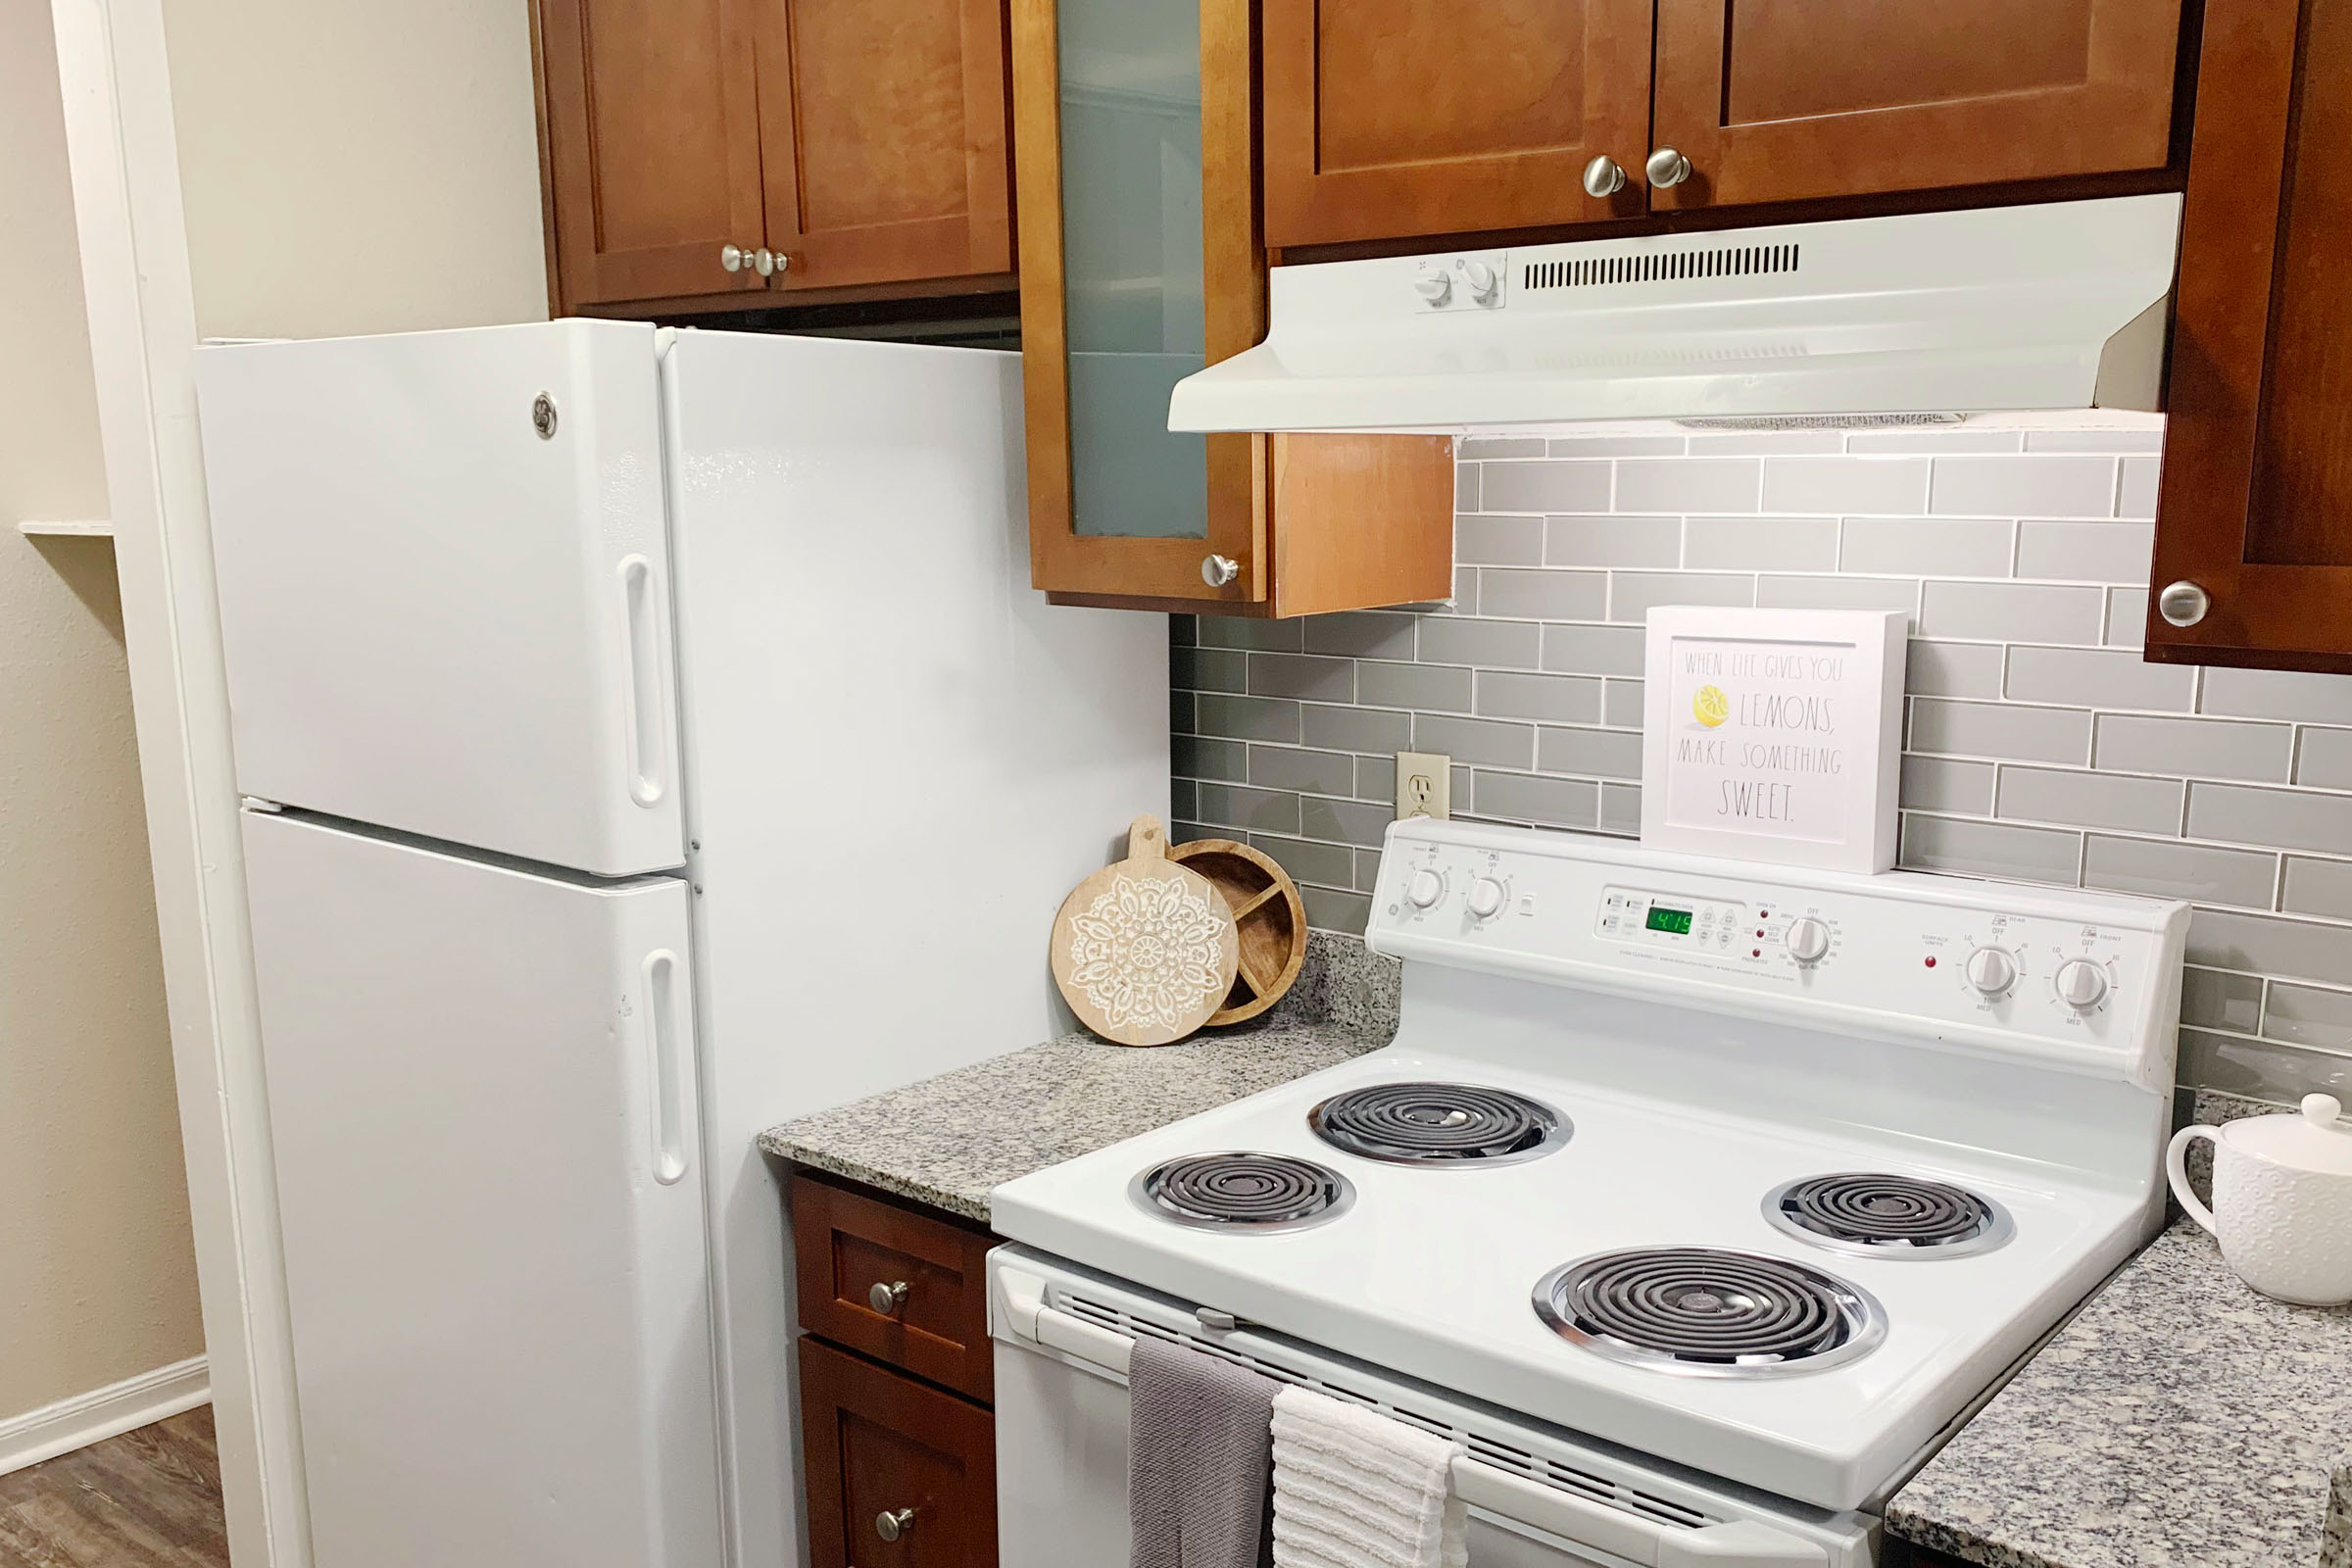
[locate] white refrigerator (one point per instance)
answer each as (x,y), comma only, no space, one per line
(647,736)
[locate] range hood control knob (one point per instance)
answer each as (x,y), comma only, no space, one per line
(1486,898)
(1436,288)
(1991,970)
(2081,984)
(1808,939)
(1425,888)
(1485,286)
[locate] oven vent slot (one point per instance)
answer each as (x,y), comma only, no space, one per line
(1661,267)
(1484,1447)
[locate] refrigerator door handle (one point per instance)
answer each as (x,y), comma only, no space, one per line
(666,1031)
(641,689)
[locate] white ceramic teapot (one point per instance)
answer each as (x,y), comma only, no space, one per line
(2282,1200)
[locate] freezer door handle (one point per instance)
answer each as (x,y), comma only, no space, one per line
(664,1023)
(641,686)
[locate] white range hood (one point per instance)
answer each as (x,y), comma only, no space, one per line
(2059,306)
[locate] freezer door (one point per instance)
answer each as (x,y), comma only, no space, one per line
(482,1096)
(443,585)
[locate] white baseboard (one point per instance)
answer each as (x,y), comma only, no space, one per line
(102,1413)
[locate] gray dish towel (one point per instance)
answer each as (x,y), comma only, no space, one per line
(1200,1459)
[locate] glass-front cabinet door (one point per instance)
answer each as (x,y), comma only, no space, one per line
(1108,120)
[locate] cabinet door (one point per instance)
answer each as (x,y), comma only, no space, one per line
(2256,512)
(900,1475)
(652,146)
(883,129)
(1784,100)
(1394,119)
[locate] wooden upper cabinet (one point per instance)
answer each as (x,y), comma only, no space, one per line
(652,134)
(884,130)
(1388,118)
(1786,100)
(2256,512)
(865,142)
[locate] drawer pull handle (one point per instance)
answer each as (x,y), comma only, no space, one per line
(893,1522)
(887,1299)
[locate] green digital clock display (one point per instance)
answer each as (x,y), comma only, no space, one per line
(1677,921)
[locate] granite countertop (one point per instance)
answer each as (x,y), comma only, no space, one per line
(947,1140)
(2180,1420)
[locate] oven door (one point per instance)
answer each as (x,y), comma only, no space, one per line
(1062,1458)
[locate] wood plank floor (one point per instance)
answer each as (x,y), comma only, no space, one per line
(149,1499)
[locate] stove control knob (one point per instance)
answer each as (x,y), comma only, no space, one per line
(1991,970)
(1808,939)
(1425,888)
(1435,287)
(1486,898)
(2081,984)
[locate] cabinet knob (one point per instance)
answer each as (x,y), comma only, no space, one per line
(887,1298)
(763,261)
(732,258)
(1603,177)
(1218,571)
(1666,167)
(893,1522)
(2183,604)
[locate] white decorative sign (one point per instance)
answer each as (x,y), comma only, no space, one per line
(1773,734)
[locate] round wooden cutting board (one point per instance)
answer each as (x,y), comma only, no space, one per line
(1145,951)
(1267,910)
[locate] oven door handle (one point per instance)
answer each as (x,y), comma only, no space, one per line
(1743,1544)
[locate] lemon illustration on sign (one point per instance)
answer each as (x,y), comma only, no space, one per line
(1711,707)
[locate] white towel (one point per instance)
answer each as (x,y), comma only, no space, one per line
(1357,1490)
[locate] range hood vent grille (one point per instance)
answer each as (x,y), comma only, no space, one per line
(1662,266)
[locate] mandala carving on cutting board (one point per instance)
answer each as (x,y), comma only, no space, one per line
(1149,949)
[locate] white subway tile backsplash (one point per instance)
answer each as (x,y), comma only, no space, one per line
(1494,644)
(2024,486)
(1532,679)
(1489,540)
(2098,678)
(2196,748)
(1947,547)
(2277,694)
(1547,486)
(1999,730)
(1632,594)
(1613,541)
(2085,552)
(1685,485)
(1563,698)
(1990,849)
(2169,869)
(2293,819)
(1760,544)
(1594,752)
(2011,612)
(1543,595)
(1594,650)
(2090,800)
(1895,486)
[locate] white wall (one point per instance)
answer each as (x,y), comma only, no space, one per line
(352,165)
(97,1274)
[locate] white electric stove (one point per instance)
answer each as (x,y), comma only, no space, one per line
(1702,1198)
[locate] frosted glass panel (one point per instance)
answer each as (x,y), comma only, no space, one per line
(1131,262)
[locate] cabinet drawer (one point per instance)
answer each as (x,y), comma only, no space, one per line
(886,1454)
(846,1244)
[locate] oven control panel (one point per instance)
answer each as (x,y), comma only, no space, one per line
(2089,978)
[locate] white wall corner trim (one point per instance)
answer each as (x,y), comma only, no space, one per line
(121,144)
(102,1413)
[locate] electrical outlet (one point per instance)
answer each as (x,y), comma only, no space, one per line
(1424,784)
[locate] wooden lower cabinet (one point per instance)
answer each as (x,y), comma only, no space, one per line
(2254,526)
(899,1474)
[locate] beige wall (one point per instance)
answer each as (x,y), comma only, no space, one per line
(357,166)
(97,1276)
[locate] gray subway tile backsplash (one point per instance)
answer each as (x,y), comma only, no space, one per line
(2026,581)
